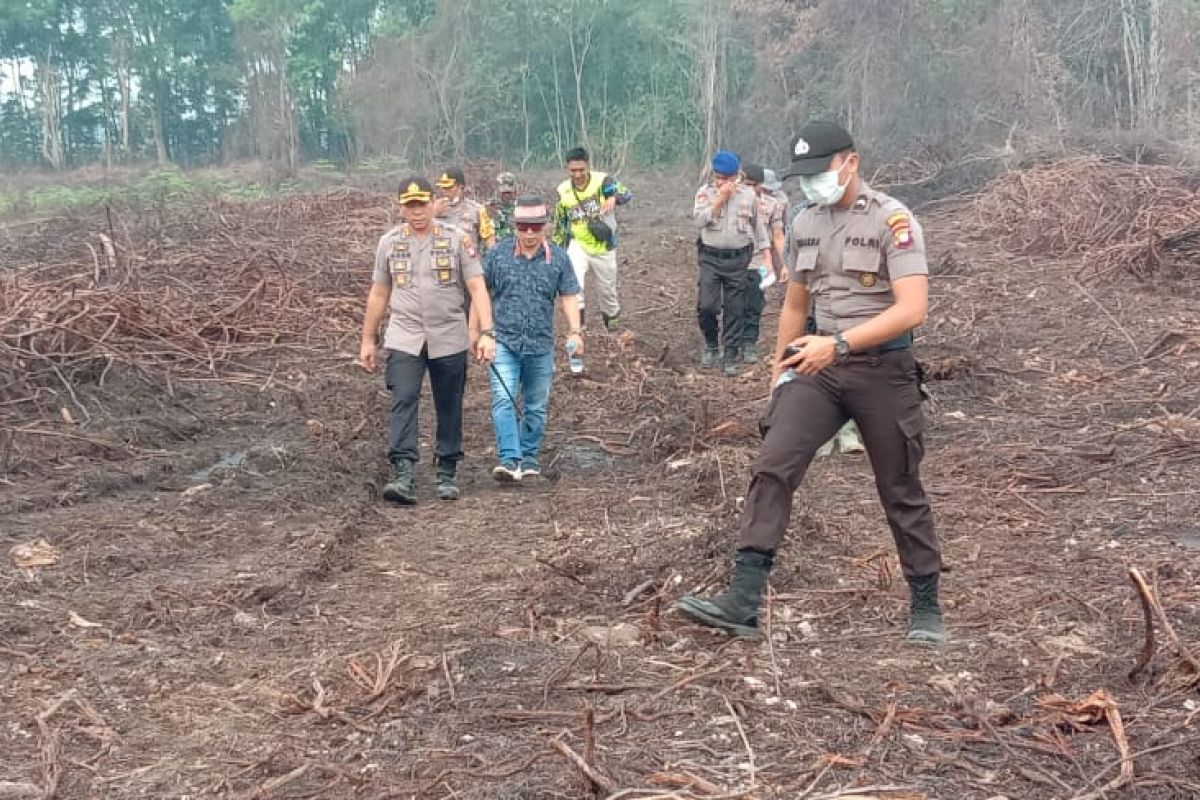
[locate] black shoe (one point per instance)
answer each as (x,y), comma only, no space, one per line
(447,485)
(612,323)
(400,488)
(925,625)
(708,359)
(736,609)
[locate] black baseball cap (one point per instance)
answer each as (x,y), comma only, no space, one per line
(753,172)
(815,146)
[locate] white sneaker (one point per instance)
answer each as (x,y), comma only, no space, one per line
(507,472)
(849,440)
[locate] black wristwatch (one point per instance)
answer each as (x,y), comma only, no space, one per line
(841,345)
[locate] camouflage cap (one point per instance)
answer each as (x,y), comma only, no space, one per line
(506,180)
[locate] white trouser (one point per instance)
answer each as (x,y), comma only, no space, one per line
(605,268)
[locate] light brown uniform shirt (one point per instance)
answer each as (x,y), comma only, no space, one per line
(771,211)
(472,218)
(735,225)
(849,257)
(428,276)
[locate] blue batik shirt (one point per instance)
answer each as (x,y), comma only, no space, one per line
(523,291)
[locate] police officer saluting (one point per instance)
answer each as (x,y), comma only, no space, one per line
(861,256)
(423,271)
(731,233)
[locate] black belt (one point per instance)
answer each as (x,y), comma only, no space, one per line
(901,342)
(717,252)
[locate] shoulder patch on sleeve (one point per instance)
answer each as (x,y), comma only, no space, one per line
(900,225)
(469,247)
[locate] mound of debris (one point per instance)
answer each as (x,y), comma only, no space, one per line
(217,293)
(1125,217)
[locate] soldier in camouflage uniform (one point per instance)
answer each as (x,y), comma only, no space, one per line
(501,207)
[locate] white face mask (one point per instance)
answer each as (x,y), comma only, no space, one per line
(824,189)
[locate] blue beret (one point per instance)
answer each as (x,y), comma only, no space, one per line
(726,163)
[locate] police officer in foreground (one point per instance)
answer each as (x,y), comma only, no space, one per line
(423,271)
(861,256)
(731,234)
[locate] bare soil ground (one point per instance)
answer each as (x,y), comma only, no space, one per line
(225,609)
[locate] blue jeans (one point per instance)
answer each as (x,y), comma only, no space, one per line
(528,377)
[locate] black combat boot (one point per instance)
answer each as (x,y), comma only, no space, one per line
(732,355)
(447,485)
(925,621)
(613,323)
(736,609)
(400,488)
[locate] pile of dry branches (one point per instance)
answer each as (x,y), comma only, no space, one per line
(222,292)
(1122,216)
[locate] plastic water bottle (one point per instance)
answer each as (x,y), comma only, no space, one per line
(574,361)
(766,277)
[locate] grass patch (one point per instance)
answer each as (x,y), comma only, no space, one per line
(165,187)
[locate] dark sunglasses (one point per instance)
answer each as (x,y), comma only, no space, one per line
(530,227)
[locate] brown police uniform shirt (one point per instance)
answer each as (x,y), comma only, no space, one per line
(771,211)
(849,257)
(472,218)
(736,225)
(428,276)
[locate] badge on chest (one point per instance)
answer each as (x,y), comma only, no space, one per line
(442,263)
(400,264)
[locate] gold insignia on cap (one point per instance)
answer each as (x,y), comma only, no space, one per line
(413,193)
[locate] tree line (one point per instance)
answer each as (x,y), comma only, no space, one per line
(646,82)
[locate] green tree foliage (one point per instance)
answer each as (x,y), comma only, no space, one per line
(640,81)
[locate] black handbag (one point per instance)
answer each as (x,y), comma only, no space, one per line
(601,231)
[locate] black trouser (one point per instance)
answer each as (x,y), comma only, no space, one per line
(881,392)
(722,290)
(448,380)
(755,302)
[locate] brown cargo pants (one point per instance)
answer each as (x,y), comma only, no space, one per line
(880,392)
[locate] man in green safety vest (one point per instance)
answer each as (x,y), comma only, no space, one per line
(587,228)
